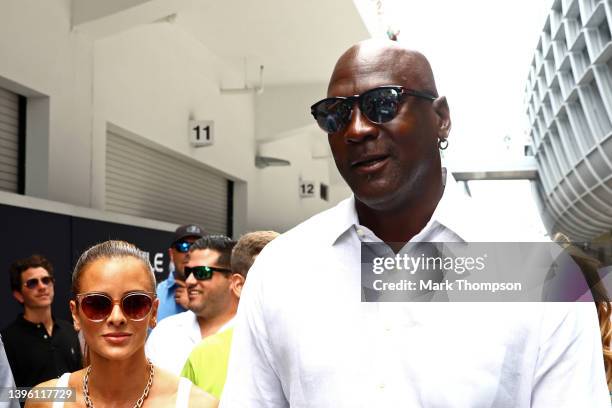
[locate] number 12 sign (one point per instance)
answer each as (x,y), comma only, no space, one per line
(307,189)
(201,132)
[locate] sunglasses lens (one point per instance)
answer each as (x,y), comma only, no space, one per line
(333,115)
(96,307)
(31,283)
(380,105)
(182,246)
(202,272)
(137,306)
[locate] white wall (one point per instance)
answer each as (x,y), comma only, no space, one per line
(285,129)
(41,57)
(150,80)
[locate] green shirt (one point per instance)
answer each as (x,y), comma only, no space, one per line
(206,366)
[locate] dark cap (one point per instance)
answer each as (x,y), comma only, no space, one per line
(189,230)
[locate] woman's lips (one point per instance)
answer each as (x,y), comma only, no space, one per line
(117,338)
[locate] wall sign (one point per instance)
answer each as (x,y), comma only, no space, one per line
(307,189)
(201,132)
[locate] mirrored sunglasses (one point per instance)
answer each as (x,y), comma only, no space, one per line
(378,105)
(182,246)
(97,306)
(204,272)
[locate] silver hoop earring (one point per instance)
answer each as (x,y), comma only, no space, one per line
(442,143)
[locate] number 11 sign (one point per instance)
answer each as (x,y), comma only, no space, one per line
(201,132)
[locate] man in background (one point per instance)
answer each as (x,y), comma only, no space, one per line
(39,347)
(212,290)
(171,292)
(206,366)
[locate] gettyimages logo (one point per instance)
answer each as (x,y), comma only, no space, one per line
(412,264)
(477,272)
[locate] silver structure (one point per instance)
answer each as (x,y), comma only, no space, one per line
(569,105)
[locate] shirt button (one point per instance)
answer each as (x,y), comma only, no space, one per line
(45,336)
(38,325)
(381,386)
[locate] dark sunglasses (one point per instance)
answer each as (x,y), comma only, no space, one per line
(378,105)
(97,306)
(204,272)
(182,246)
(33,283)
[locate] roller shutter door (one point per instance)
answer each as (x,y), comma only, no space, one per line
(146,182)
(9,141)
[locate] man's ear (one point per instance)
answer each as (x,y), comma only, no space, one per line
(236,284)
(75,318)
(18,296)
(440,106)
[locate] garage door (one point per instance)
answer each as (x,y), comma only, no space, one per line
(9,141)
(147,182)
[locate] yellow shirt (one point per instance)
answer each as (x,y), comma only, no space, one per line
(206,366)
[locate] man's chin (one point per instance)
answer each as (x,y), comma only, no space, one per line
(380,199)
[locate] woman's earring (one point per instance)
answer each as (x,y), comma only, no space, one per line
(442,143)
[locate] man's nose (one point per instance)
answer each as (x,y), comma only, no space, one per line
(190,281)
(359,127)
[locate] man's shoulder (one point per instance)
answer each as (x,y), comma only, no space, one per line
(174,321)
(15,327)
(64,324)
(164,286)
(319,229)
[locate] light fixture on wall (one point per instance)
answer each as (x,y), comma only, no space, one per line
(247,89)
(262,162)
(170,19)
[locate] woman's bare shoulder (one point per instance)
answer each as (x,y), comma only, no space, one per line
(42,404)
(168,383)
(75,378)
(199,398)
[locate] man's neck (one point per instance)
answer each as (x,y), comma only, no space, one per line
(40,315)
(210,326)
(400,224)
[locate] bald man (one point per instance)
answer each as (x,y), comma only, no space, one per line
(303,338)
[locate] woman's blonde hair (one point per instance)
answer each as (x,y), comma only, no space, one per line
(108,250)
(590,267)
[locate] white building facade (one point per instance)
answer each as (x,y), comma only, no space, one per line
(569,105)
(97,97)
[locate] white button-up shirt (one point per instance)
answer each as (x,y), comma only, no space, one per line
(171,341)
(303,338)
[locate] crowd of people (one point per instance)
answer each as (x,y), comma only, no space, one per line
(291,329)
(176,333)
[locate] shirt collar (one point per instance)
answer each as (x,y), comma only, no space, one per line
(453,212)
(22,320)
(170,278)
(228,325)
(343,217)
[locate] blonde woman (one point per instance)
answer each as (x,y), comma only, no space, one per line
(114,306)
